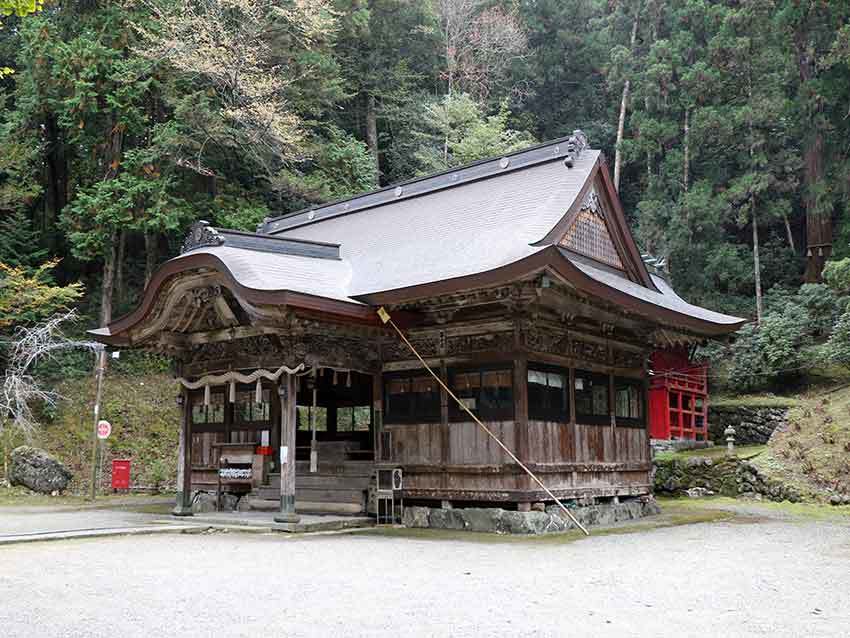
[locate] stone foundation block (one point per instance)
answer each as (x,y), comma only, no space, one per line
(552,519)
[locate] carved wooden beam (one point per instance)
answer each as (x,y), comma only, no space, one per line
(225,314)
(225,334)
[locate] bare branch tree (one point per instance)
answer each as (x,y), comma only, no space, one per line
(230,46)
(480,44)
(21,389)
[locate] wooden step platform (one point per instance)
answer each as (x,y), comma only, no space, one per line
(316,494)
(307,507)
(341,488)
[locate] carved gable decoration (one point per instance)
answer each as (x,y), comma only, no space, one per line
(588,235)
(201,234)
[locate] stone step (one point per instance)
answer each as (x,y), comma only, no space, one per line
(326,481)
(329,481)
(305,506)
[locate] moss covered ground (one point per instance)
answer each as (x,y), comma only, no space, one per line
(714,453)
(754,401)
(813,452)
(770,509)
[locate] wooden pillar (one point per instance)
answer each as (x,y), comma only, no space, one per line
(183,506)
(286,390)
(274,418)
(229,414)
(612,407)
(648,437)
(521,419)
(571,398)
(445,435)
(377,416)
(521,407)
(314,444)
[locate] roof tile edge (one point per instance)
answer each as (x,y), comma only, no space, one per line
(567,148)
(203,235)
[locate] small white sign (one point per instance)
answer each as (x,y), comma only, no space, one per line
(284,453)
(579,384)
(234,473)
(264,438)
(104,429)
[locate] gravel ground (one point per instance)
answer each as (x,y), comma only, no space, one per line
(748,578)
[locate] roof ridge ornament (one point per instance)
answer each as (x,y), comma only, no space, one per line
(201,234)
(591,203)
(575,145)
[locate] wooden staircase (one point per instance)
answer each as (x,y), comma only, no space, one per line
(339,488)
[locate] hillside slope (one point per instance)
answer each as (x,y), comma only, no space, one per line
(145,428)
(813,452)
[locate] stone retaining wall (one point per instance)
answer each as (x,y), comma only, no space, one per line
(552,519)
(753,425)
(730,477)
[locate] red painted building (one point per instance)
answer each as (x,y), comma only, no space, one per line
(678,397)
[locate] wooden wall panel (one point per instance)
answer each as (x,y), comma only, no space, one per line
(470,445)
(632,445)
(550,442)
(596,443)
(415,443)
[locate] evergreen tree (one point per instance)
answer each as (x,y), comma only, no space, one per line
(19,242)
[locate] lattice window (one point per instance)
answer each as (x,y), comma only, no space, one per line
(588,235)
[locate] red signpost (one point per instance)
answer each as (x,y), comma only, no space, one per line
(121,474)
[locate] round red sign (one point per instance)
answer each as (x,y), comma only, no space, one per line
(104,429)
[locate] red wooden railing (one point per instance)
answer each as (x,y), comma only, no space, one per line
(678,403)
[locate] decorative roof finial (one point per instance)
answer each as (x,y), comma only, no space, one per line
(201,234)
(575,145)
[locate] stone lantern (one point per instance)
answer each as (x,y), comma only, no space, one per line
(729,433)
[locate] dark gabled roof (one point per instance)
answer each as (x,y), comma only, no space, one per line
(453,231)
(566,149)
(477,225)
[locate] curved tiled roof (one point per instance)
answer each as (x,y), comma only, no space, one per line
(453,232)
(274,271)
(495,218)
(666,298)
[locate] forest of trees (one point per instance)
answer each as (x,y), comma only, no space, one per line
(726,124)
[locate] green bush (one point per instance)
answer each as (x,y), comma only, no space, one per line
(774,352)
(158,474)
(837,348)
(820,302)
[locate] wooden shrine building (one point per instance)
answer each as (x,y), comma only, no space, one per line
(516,277)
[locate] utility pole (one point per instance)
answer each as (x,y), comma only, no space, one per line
(99,371)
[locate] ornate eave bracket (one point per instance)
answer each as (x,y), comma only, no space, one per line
(201,234)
